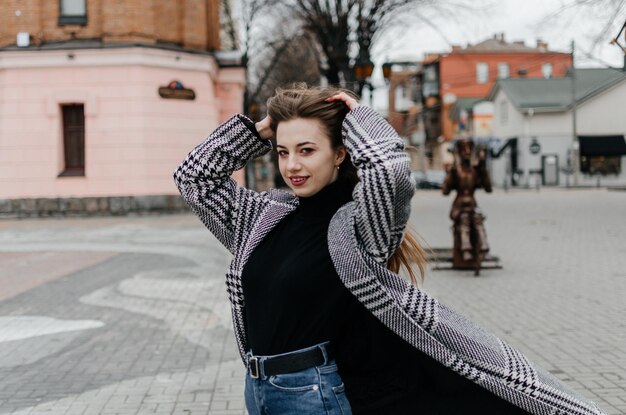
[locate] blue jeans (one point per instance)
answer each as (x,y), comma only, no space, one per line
(316,390)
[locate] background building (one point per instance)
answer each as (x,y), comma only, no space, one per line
(539,141)
(102,99)
(456,81)
(405,109)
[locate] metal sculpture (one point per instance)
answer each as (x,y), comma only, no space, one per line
(465,176)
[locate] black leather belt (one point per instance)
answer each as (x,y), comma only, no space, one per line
(289,363)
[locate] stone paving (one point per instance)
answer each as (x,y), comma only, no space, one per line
(130,316)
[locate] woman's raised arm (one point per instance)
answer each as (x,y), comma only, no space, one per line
(203,178)
(383,195)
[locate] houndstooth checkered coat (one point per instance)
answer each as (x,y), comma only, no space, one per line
(362,235)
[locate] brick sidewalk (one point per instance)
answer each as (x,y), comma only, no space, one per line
(560,298)
(138,322)
(143,326)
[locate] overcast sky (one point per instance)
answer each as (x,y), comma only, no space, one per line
(518,20)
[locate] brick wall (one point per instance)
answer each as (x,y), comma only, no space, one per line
(193,24)
(50,29)
(167,16)
(11,23)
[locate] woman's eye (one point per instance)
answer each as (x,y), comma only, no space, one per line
(282,153)
(307,150)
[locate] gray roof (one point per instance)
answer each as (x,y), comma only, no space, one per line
(463,104)
(555,94)
(499,45)
(467,103)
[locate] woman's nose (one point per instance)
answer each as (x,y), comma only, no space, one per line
(293,164)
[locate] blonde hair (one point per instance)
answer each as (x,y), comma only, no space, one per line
(301,101)
(409,252)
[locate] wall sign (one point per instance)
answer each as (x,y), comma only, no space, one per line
(176,90)
(534,147)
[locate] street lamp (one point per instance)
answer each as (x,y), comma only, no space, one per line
(363,68)
(387,70)
(254,111)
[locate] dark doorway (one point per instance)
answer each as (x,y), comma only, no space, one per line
(73,139)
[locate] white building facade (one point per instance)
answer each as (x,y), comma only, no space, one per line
(534,123)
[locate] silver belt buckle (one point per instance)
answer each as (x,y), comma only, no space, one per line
(253,366)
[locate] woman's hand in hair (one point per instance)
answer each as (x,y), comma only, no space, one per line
(350,102)
(264,128)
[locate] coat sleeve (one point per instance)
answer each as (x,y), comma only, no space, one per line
(203,178)
(383,195)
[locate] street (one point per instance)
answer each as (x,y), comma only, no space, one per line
(129,315)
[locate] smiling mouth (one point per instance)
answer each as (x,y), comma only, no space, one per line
(298,180)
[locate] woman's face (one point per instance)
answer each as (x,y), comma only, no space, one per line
(306,158)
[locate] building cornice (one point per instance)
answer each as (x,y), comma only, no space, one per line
(506,52)
(121,56)
(232,75)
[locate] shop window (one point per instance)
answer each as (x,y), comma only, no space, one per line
(73,139)
(482,73)
(503,70)
(601,164)
(73,12)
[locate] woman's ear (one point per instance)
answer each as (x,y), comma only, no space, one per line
(340,155)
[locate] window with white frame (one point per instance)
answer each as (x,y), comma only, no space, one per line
(503,70)
(546,70)
(73,12)
(482,73)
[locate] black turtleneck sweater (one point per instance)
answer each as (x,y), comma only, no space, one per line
(294,298)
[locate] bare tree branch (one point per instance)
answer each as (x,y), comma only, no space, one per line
(608,13)
(228,26)
(335,32)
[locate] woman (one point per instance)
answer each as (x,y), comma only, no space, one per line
(323,322)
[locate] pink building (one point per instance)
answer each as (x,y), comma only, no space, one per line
(105,116)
